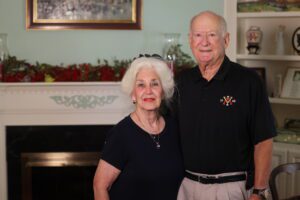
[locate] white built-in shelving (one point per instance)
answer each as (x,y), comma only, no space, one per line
(275,65)
(270,57)
(287,101)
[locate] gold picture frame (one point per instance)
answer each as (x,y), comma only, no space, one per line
(83,14)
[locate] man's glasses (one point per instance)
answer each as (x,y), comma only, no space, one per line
(157,56)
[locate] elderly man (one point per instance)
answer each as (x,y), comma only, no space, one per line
(225,120)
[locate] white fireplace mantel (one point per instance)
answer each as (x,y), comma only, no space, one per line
(80,103)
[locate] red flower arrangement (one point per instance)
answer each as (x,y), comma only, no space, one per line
(14,70)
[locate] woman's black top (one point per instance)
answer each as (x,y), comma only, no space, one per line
(146,172)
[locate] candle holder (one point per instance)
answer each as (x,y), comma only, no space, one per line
(170,48)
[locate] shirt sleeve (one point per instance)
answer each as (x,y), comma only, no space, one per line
(114,151)
(262,120)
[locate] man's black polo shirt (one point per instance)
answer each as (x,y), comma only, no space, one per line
(221,120)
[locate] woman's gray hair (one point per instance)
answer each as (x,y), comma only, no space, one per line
(161,68)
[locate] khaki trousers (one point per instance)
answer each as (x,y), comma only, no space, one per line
(193,190)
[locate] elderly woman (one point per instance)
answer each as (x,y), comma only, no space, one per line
(141,158)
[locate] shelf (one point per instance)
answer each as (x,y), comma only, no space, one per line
(284,101)
(268,14)
(274,65)
(268,57)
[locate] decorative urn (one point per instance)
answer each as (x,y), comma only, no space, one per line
(254,36)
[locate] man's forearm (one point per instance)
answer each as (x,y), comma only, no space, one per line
(262,162)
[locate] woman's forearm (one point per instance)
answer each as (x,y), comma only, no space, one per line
(105,175)
(100,194)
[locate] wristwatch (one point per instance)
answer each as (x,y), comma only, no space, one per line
(262,193)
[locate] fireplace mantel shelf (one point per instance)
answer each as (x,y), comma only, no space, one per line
(58,103)
(62,97)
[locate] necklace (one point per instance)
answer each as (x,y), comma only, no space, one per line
(154,137)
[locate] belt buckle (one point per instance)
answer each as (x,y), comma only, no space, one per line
(199,179)
(211,177)
(206,178)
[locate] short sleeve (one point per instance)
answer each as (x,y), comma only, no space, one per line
(262,122)
(114,151)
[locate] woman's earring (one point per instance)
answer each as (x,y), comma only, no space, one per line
(134,101)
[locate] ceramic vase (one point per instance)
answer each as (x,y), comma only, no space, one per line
(254,37)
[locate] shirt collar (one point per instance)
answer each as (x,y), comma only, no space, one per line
(220,75)
(222,72)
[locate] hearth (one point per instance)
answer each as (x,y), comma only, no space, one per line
(53,162)
(58,175)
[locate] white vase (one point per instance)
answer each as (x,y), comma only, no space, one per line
(170,48)
(280,46)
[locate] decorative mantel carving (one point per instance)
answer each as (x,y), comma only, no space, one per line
(84,101)
(63,98)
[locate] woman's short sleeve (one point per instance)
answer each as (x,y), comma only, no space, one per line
(114,151)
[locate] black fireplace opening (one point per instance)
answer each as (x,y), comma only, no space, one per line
(60,182)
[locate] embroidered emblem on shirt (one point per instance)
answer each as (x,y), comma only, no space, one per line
(227,100)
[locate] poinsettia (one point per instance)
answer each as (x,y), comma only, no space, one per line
(14,70)
(107,73)
(16,77)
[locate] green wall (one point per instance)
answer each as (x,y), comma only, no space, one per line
(77,46)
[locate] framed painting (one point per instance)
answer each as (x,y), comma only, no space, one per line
(83,14)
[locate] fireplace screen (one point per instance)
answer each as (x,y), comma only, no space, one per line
(58,175)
